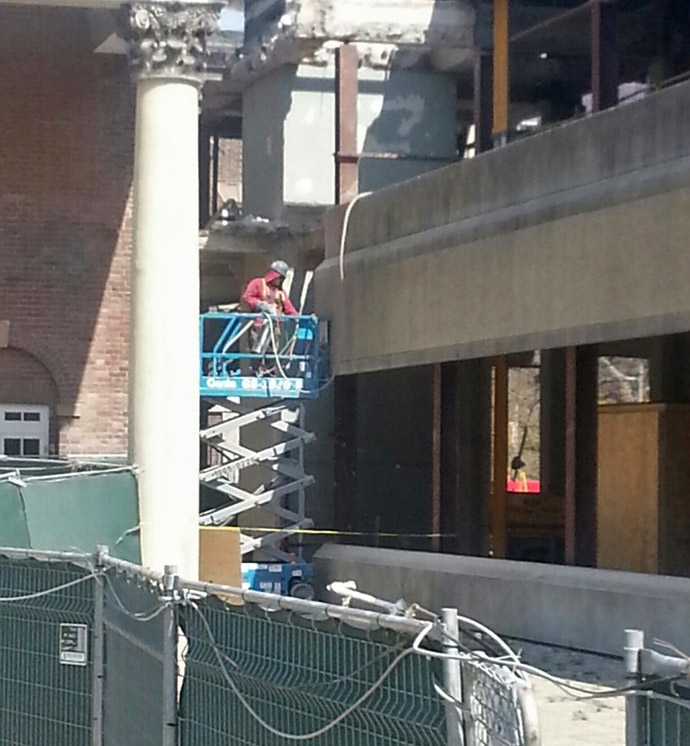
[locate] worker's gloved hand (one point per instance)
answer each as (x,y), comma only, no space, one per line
(263,307)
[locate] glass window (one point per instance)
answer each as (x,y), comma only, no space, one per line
(32,416)
(13,416)
(32,447)
(12,447)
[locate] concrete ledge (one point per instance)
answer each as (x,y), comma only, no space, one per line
(578,235)
(574,607)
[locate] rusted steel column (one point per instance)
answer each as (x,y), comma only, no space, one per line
(498,510)
(436,436)
(586,456)
(204,173)
(483,101)
(214,176)
(581,455)
(605,64)
(501,73)
(570,452)
(346,94)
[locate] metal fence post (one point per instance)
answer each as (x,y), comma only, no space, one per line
(98,642)
(634,642)
(169,656)
(452,678)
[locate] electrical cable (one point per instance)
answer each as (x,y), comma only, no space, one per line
(50,591)
(139,616)
(343,235)
(280,367)
(326,728)
(319,684)
(584,693)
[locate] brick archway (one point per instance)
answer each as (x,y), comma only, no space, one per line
(24,379)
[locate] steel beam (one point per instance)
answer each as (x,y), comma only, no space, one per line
(483,101)
(501,72)
(436,441)
(500,461)
(605,63)
(214,177)
(586,445)
(346,95)
(581,452)
(204,173)
(570,452)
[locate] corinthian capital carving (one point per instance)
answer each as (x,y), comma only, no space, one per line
(169,38)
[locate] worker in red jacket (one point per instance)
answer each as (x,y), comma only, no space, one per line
(266,295)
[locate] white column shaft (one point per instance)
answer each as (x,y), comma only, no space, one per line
(164,392)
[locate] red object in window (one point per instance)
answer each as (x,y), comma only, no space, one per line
(527,485)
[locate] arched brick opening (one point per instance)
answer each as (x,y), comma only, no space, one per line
(25,380)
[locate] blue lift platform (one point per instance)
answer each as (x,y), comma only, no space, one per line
(298,369)
(264,390)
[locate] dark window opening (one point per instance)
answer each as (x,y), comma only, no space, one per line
(32,447)
(12,447)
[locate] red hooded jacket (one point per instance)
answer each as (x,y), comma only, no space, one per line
(260,289)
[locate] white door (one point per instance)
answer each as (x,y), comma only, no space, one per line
(24,430)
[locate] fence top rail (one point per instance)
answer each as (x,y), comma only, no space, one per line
(44,555)
(357,617)
(316,609)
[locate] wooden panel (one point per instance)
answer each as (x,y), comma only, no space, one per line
(674,498)
(628,488)
(220,559)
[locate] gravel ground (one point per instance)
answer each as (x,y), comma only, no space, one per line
(564,720)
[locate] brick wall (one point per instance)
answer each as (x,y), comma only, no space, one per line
(66,117)
(229,170)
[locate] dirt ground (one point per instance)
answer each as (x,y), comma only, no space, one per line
(569,722)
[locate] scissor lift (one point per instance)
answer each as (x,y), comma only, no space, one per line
(258,398)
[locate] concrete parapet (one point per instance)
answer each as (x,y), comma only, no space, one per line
(577,235)
(574,607)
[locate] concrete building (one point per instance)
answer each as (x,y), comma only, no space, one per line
(569,244)
(450,272)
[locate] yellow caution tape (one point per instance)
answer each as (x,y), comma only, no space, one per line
(329,532)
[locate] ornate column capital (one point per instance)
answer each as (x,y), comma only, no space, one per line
(169,39)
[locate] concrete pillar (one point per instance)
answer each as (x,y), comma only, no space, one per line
(410,114)
(465,455)
(586,455)
(164,396)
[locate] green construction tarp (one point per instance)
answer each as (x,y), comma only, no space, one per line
(62,507)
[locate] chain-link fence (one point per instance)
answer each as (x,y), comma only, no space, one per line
(46,610)
(273,676)
(100,652)
(658,705)
(139,634)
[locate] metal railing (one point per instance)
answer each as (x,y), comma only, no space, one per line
(657,708)
(96,651)
(259,355)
